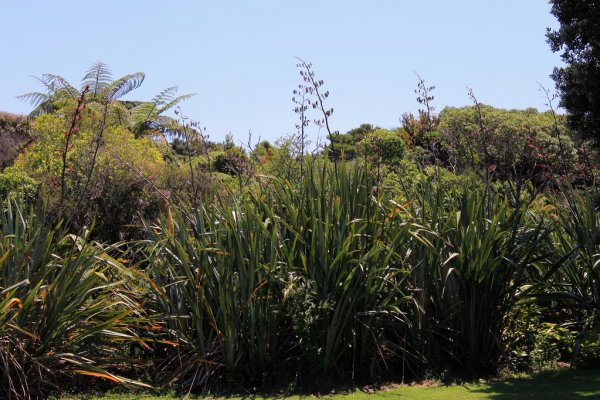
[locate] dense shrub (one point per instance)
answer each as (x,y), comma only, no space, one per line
(108,175)
(17,184)
(66,310)
(383,146)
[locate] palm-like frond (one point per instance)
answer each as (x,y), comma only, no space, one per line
(120,115)
(147,117)
(142,111)
(56,85)
(97,78)
(57,88)
(165,96)
(34,98)
(122,86)
(174,102)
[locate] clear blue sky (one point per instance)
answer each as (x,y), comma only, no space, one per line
(238,55)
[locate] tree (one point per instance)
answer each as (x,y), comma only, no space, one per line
(143,118)
(343,146)
(383,146)
(578,82)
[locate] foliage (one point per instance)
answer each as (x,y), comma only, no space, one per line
(232,161)
(65,310)
(13,123)
(282,160)
(469,280)
(116,188)
(272,286)
(578,82)
(103,104)
(17,184)
(345,144)
(383,146)
(517,146)
(461,243)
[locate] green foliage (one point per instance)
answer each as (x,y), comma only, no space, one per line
(103,105)
(275,290)
(470,278)
(281,160)
(383,146)
(515,145)
(578,82)
(345,145)
(13,123)
(66,309)
(115,189)
(431,255)
(17,184)
(232,161)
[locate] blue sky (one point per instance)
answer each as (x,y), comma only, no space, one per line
(238,55)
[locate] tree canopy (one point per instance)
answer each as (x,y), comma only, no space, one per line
(578,82)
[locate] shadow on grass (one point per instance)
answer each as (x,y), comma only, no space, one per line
(550,385)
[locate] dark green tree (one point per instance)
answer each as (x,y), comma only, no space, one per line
(578,82)
(344,145)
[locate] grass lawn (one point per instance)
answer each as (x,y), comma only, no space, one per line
(551,385)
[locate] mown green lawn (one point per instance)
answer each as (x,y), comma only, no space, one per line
(552,385)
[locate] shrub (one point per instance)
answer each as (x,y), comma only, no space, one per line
(66,310)
(383,146)
(17,184)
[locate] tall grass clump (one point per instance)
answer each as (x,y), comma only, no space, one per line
(482,255)
(569,289)
(298,283)
(65,308)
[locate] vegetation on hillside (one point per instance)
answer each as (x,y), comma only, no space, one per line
(134,250)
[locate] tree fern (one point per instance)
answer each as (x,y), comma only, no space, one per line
(98,78)
(143,118)
(122,86)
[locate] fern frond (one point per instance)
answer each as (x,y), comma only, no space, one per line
(174,102)
(170,126)
(56,84)
(34,98)
(142,111)
(120,115)
(95,110)
(98,78)
(165,96)
(44,107)
(152,108)
(122,86)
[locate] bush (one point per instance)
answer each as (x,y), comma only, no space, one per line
(383,146)
(17,184)
(114,189)
(66,312)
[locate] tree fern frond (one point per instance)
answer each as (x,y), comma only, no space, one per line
(122,86)
(57,84)
(120,115)
(165,96)
(98,78)
(170,126)
(43,108)
(174,102)
(50,88)
(151,109)
(34,98)
(95,109)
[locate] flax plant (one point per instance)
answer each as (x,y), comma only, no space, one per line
(65,312)
(299,280)
(483,255)
(572,283)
